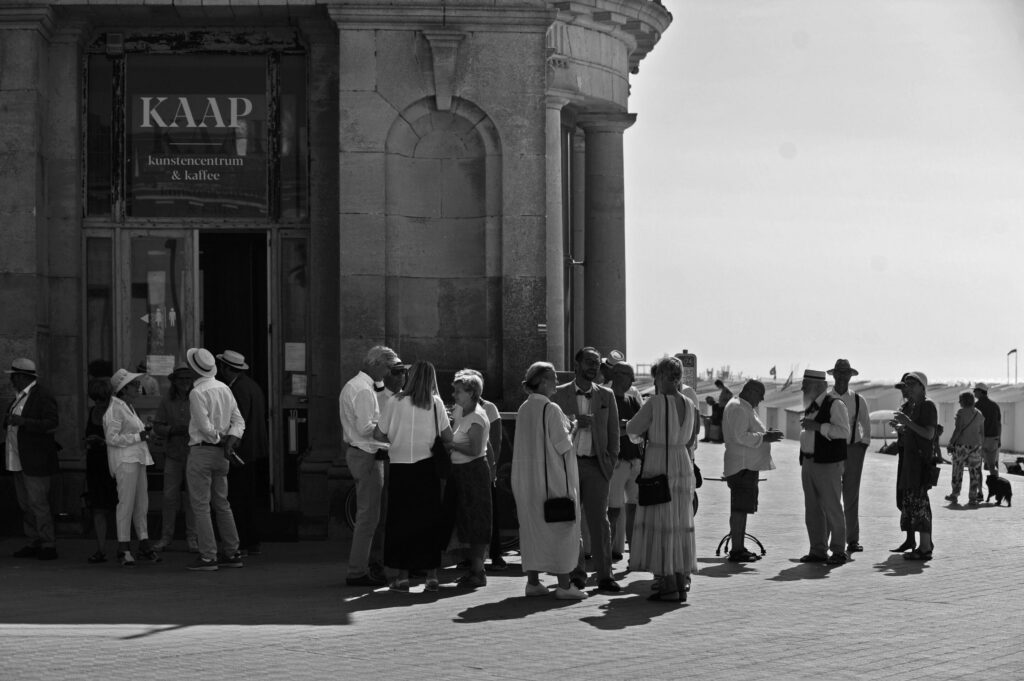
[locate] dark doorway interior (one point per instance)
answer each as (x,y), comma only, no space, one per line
(233,272)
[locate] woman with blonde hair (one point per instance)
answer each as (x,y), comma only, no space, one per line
(663,533)
(543,468)
(467,494)
(410,422)
(127,456)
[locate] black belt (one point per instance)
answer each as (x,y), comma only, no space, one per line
(805,455)
(208,444)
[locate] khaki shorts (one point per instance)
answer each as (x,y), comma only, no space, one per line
(990,452)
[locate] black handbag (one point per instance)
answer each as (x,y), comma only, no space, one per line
(442,459)
(556,509)
(654,490)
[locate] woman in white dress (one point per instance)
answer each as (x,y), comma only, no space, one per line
(663,534)
(543,467)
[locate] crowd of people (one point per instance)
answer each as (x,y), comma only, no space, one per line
(591,461)
(211,426)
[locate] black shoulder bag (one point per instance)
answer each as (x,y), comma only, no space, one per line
(442,459)
(556,509)
(654,490)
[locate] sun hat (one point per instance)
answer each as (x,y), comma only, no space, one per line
(121,378)
(201,361)
(842,367)
(917,376)
(814,375)
(182,370)
(22,365)
(235,360)
(983,387)
(615,357)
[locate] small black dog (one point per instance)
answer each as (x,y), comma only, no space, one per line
(999,488)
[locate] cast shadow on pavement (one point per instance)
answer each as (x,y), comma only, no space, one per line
(804,571)
(720,567)
(896,566)
(513,608)
(630,609)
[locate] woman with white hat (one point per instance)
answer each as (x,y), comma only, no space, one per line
(127,456)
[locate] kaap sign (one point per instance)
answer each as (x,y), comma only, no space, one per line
(193,112)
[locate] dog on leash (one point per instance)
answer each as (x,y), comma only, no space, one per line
(999,488)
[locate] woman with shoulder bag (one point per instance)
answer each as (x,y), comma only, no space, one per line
(664,538)
(545,476)
(917,426)
(410,422)
(965,448)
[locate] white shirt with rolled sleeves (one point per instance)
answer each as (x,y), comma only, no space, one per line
(743,432)
(359,411)
(213,413)
(837,428)
(861,429)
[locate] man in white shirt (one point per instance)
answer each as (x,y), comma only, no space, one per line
(825,430)
(359,411)
(856,449)
(747,452)
(215,428)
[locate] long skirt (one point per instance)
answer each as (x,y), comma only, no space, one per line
(412,530)
(916,511)
(664,541)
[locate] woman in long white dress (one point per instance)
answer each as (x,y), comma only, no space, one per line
(543,467)
(664,542)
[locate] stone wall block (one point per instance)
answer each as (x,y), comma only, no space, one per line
(361,182)
(362,244)
(362,307)
(412,306)
(464,186)
(357,60)
(404,68)
(523,308)
(63,188)
(17,293)
(18,187)
(523,251)
(438,247)
(65,304)
(414,186)
(22,59)
(364,121)
(524,191)
(19,124)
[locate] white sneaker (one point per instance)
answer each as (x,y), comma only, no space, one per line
(571,594)
(536,590)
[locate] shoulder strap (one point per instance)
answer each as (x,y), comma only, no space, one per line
(437,430)
(856,415)
(544,422)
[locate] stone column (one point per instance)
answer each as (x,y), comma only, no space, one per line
(555,261)
(578,235)
(605,261)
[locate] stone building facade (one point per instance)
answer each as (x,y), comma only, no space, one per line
(300,179)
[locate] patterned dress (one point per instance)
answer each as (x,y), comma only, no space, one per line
(664,542)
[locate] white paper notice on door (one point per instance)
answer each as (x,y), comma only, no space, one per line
(159,365)
(298,384)
(295,357)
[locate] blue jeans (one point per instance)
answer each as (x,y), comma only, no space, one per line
(368,473)
(207,474)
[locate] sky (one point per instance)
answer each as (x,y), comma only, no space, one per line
(815,179)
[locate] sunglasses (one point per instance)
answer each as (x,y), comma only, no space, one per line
(399,371)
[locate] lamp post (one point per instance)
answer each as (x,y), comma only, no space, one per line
(1014,353)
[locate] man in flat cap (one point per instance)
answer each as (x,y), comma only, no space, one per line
(31,457)
(825,431)
(856,448)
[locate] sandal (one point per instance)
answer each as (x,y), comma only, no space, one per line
(917,554)
(98,557)
(905,546)
(431,584)
(399,585)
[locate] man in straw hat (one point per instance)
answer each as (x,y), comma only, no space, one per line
(248,484)
(31,457)
(214,431)
(825,431)
(856,448)
(993,427)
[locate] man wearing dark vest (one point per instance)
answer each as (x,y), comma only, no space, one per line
(856,449)
(249,483)
(825,431)
(993,428)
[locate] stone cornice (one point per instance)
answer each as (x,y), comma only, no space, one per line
(459,15)
(28,17)
(638,23)
(605,121)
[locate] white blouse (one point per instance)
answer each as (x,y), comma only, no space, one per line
(121,429)
(411,430)
(460,432)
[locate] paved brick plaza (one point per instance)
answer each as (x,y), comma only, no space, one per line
(288,614)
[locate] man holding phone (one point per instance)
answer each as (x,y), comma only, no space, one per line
(747,452)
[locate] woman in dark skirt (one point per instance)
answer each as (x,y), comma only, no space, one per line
(410,422)
(917,422)
(101,490)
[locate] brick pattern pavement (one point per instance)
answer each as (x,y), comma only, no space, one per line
(288,615)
